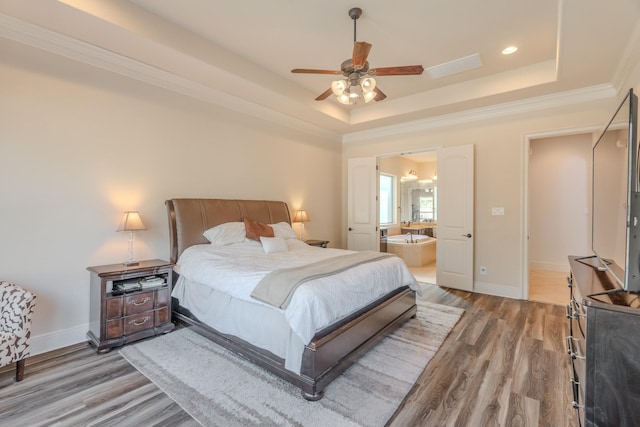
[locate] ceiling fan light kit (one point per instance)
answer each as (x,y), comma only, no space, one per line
(359,82)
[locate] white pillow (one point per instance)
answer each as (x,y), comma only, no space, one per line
(273,244)
(226,234)
(283,230)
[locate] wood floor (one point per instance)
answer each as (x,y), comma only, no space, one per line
(504,364)
(548,286)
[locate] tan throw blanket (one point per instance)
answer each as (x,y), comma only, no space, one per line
(278,286)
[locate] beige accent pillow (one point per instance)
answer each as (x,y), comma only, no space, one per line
(255,229)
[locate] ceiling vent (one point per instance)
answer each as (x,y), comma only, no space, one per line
(454,67)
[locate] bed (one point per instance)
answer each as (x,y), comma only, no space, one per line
(262,333)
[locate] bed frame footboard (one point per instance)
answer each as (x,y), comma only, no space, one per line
(331,352)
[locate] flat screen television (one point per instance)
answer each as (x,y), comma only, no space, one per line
(615,204)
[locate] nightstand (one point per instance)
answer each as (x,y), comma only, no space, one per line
(319,243)
(117,316)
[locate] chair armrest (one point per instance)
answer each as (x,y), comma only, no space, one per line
(16,308)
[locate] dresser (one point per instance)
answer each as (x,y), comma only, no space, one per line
(128,303)
(603,347)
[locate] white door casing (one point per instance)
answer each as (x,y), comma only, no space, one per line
(454,247)
(362,204)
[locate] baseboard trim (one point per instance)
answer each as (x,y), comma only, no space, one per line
(498,290)
(58,339)
(549,266)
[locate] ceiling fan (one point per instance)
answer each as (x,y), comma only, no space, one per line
(359,82)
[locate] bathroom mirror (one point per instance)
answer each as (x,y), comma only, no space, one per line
(418,201)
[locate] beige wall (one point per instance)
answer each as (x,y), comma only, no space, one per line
(80,145)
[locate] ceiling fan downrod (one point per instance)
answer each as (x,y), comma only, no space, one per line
(354,13)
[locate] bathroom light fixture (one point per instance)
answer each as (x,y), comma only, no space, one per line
(131,222)
(411,176)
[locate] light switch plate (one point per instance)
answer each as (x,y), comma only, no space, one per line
(497,211)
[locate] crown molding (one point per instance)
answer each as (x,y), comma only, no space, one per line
(629,63)
(546,102)
(33,35)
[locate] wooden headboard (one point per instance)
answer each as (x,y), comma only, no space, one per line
(189,218)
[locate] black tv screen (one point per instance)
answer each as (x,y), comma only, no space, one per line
(616,211)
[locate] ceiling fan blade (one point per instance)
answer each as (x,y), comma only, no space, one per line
(324,95)
(311,71)
(407,70)
(379,94)
(360,54)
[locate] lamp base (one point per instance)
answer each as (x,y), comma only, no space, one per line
(130,263)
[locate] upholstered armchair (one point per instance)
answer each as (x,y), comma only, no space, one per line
(16,308)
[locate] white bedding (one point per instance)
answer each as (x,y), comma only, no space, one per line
(237,268)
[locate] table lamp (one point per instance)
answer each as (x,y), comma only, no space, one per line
(131,222)
(301,217)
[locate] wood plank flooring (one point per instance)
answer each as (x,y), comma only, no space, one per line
(548,286)
(504,364)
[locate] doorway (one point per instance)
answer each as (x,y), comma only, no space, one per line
(408,204)
(559,182)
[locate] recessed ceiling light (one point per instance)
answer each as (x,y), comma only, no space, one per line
(509,50)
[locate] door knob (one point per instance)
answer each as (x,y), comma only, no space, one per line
(468,235)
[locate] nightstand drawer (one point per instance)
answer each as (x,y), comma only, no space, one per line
(114,328)
(138,303)
(138,322)
(162,316)
(162,298)
(113,308)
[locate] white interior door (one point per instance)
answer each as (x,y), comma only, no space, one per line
(454,248)
(362,204)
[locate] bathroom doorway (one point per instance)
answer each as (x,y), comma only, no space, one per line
(408,210)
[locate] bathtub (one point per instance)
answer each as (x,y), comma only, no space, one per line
(417,254)
(402,238)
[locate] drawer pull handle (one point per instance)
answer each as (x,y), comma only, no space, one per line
(140,301)
(574,307)
(140,322)
(570,350)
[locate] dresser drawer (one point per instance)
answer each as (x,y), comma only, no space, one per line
(138,303)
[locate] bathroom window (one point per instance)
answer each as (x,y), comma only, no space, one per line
(387,199)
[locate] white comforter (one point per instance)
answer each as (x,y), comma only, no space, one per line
(236,269)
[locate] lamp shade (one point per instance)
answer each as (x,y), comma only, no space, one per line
(301,216)
(131,221)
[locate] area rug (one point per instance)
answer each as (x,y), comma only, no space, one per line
(218,388)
